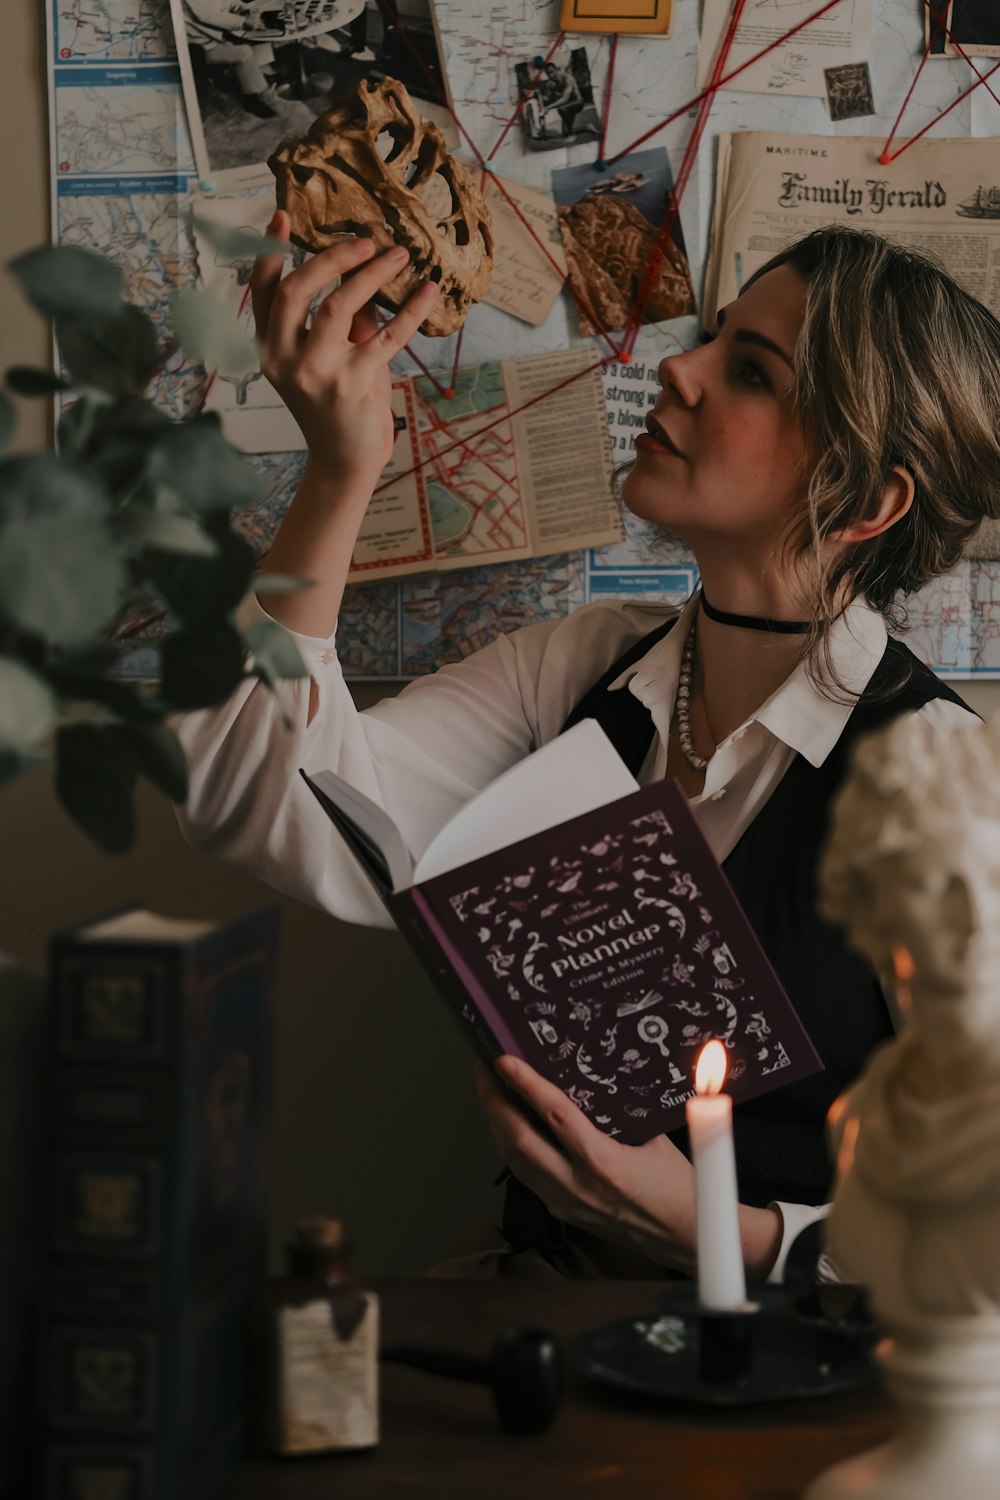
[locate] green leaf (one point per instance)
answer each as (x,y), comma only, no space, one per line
(40,484)
(281,583)
(61,577)
(95,782)
(234,247)
(198,589)
(168,533)
(201,589)
(113,354)
(8,420)
(67,281)
(157,752)
(79,422)
(27,381)
(200,668)
(122,443)
(78,679)
(205,472)
(208,330)
(96,657)
(28,708)
(274,651)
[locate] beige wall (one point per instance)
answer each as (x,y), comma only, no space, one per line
(376,1116)
(375,1112)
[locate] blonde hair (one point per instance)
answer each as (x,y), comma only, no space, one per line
(895,364)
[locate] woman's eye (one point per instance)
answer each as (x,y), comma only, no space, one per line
(752,374)
(704,337)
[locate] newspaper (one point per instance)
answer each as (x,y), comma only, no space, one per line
(941,197)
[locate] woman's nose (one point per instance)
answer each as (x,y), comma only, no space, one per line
(680,373)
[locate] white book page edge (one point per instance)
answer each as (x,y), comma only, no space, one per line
(573,774)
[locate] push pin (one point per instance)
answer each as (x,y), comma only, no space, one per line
(538,63)
(885,160)
(601,164)
(207,185)
(449,393)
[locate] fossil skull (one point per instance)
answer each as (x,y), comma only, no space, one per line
(373,166)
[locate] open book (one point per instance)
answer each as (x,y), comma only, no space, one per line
(582,923)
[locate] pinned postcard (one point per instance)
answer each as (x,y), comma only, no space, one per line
(797,65)
(611,223)
(527,275)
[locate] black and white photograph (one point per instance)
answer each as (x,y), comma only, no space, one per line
(255,71)
(557,102)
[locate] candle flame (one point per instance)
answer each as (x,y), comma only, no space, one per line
(710,1069)
(902,963)
(903,968)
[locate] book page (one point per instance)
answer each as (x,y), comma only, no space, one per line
(141,926)
(563,449)
(575,773)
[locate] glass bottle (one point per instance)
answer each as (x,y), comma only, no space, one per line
(324,1385)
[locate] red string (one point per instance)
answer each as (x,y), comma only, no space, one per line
(888,156)
(608,87)
(507,416)
(580,300)
(723,82)
(672,207)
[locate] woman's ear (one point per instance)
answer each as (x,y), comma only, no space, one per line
(897,497)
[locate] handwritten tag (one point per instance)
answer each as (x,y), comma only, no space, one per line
(525,282)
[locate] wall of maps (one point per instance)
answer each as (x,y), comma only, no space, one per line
(123,171)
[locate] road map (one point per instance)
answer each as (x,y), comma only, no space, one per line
(122,173)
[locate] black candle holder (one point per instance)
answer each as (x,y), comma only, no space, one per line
(775,1347)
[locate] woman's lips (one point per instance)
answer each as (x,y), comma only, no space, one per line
(656,439)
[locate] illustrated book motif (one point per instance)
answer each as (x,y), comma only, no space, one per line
(605,948)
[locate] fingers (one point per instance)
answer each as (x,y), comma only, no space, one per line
(364,325)
(392,336)
(537,1163)
(568,1123)
(266,274)
(293,296)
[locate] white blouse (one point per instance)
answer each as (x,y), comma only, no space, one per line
(424,753)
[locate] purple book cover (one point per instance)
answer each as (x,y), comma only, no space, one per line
(607,951)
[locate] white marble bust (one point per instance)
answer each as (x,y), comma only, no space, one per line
(912,872)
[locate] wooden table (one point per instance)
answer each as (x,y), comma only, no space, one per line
(440,1438)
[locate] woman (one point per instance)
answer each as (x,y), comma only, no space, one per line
(832,444)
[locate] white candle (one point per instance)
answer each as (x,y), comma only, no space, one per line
(721,1282)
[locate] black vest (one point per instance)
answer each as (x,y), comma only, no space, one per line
(780,1138)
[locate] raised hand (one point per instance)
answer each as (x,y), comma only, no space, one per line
(333,372)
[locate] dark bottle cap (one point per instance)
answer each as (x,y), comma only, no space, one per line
(318,1240)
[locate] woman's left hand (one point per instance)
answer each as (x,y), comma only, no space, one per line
(642,1196)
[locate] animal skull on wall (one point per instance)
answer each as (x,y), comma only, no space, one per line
(372,166)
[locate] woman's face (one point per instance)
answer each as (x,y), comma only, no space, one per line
(721,460)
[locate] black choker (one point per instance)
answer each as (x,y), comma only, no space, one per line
(755,622)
